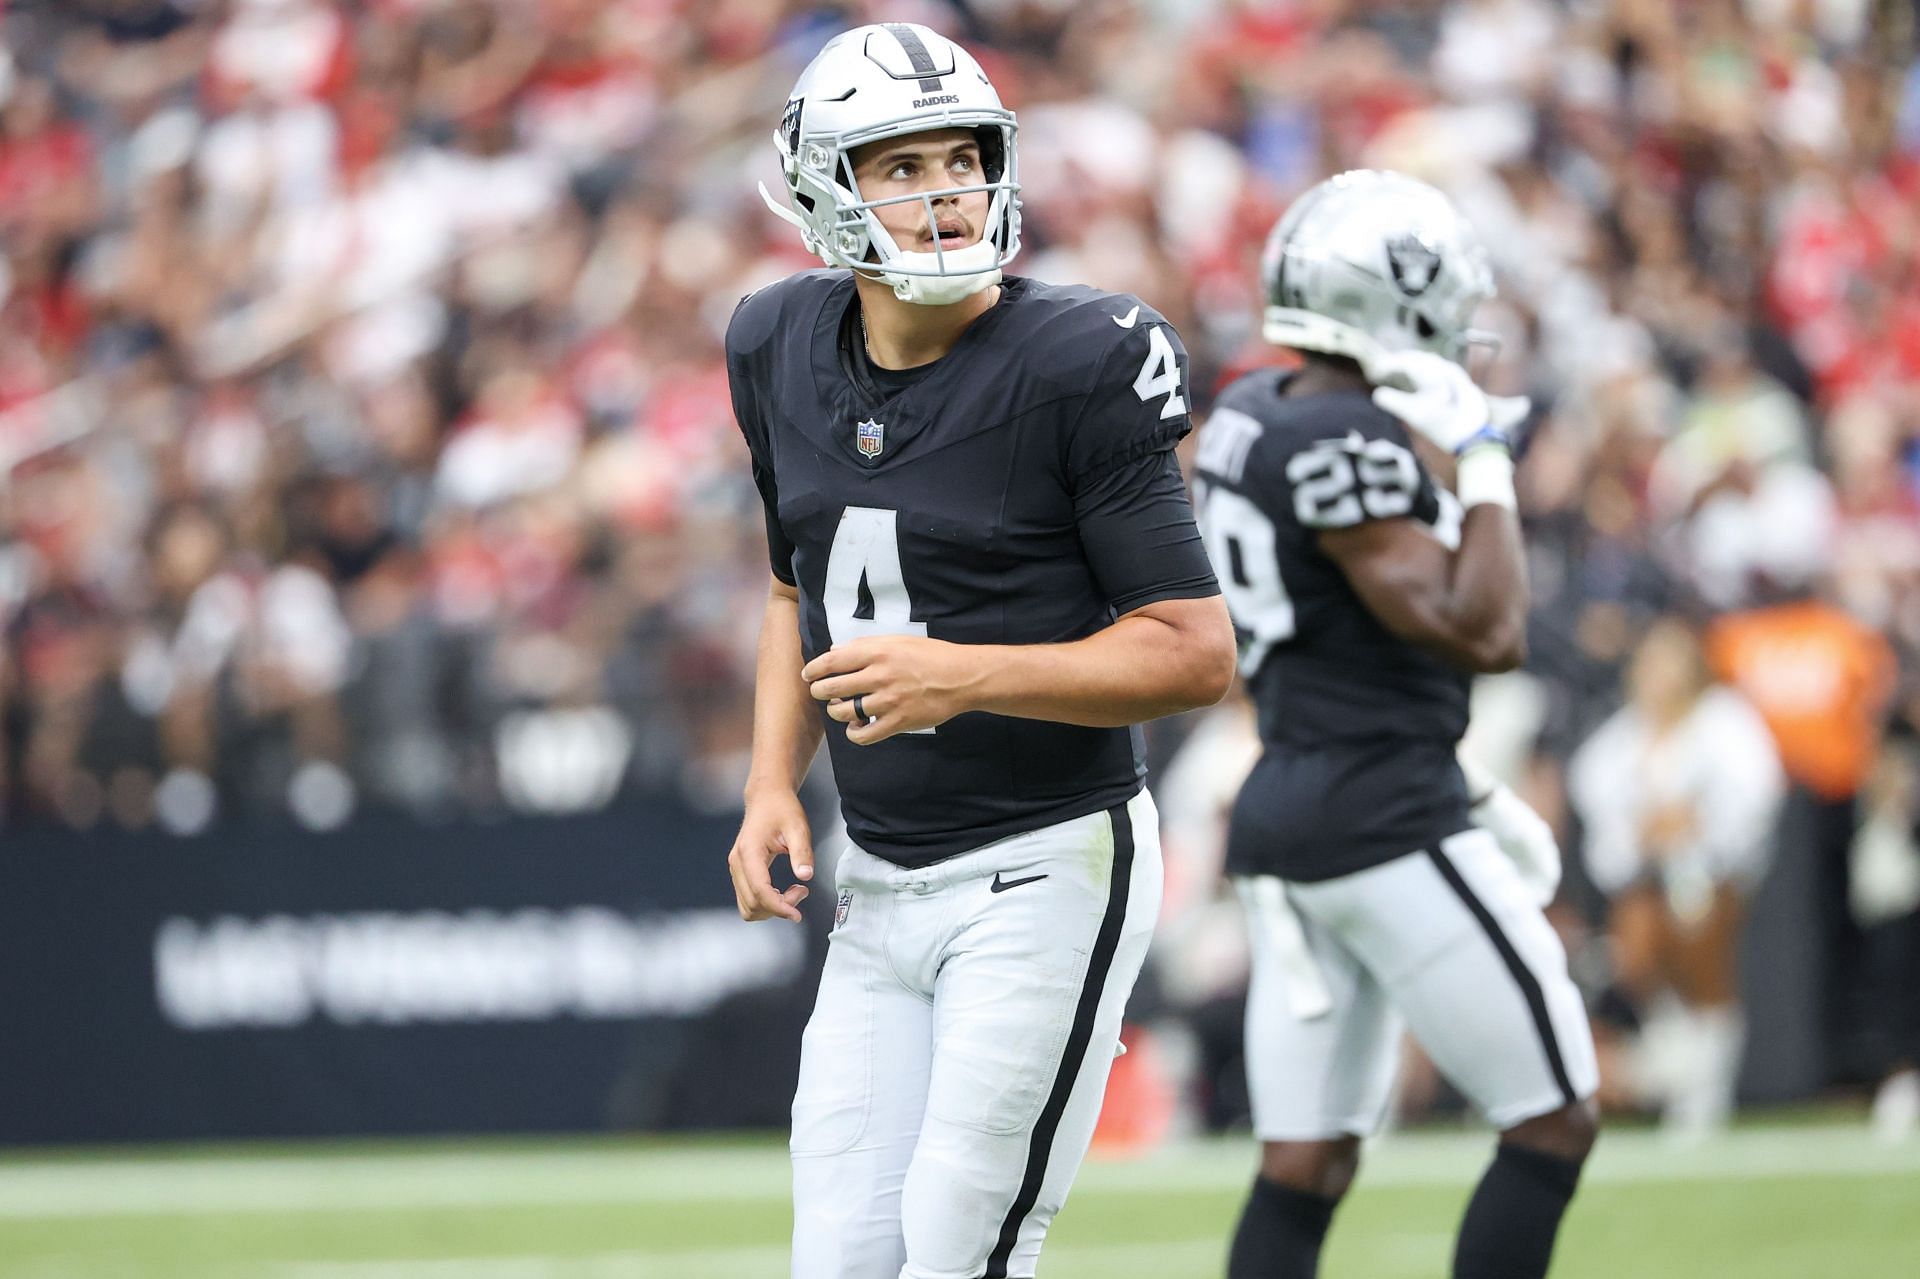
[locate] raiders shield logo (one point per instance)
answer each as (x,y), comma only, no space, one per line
(870,437)
(842,906)
(1415,266)
(790,126)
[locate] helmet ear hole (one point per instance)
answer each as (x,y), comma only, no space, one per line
(1424,327)
(993,152)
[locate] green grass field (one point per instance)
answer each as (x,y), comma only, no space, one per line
(1809,1201)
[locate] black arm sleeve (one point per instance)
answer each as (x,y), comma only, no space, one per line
(1138,531)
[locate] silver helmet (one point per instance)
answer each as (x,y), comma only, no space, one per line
(1369,262)
(883,81)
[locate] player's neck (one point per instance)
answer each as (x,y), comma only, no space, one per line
(905,335)
(1325,377)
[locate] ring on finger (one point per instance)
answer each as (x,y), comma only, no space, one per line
(860,715)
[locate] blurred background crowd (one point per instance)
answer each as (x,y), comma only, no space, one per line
(368,448)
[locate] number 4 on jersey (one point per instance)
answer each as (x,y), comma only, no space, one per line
(865,561)
(865,592)
(1160,375)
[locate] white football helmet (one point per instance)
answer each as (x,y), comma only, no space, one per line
(1370,262)
(883,81)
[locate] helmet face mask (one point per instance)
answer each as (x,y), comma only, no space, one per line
(1368,263)
(890,81)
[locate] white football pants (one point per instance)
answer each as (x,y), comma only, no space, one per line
(958,1051)
(1447,941)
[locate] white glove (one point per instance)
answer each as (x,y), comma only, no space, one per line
(1523,835)
(1505,413)
(1435,397)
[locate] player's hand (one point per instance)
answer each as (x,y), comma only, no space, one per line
(1508,413)
(903,683)
(1436,398)
(775,825)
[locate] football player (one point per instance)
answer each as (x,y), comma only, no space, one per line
(985,572)
(1365,598)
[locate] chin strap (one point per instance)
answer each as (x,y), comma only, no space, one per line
(954,286)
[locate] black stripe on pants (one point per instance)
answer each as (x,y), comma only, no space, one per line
(1075,1054)
(1522,975)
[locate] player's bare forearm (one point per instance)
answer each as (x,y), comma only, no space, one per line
(786,733)
(1486,602)
(1469,605)
(786,725)
(1166,657)
(1159,660)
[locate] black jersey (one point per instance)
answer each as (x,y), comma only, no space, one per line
(1023,490)
(1359,726)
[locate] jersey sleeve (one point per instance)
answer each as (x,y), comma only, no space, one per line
(1356,466)
(743,384)
(1138,531)
(1130,501)
(1137,404)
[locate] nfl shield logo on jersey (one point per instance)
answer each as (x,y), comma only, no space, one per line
(841,907)
(869,437)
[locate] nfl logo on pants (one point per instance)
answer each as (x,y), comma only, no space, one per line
(869,436)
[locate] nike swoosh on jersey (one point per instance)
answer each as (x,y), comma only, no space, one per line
(1126,321)
(1002,885)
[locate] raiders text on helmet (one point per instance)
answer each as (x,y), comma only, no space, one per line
(884,81)
(1369,262)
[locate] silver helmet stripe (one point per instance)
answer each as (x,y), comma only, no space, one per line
(917,54)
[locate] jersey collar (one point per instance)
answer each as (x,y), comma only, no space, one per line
(905,414)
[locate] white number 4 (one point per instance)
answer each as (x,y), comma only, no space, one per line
(1160,375)
(866,548)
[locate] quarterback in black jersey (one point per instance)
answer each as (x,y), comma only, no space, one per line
(1378,889)
(985,573)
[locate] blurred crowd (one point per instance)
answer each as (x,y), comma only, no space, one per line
(367,443)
